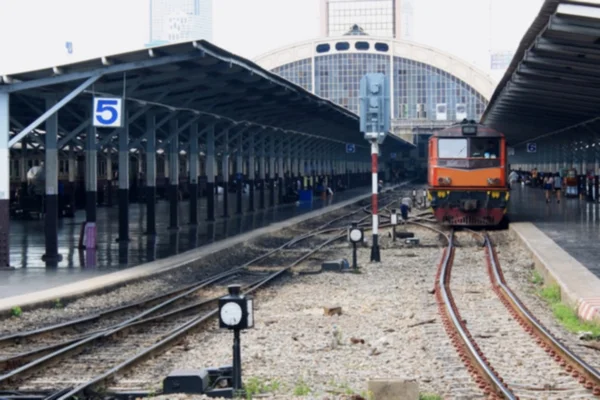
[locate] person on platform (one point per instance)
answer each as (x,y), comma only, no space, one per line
(513,178)
(548,186)
(557,186)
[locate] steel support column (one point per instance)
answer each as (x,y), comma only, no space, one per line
(91,174)
(23,169)
(210,174)
(51,199)
(109,178)
(225,170)
(240,174)
(193,165)
(72,166)
(261,173)
(124,179)
(251,172)
(150,174)
(280,173)
(4,180)
(272,175)
(174,179)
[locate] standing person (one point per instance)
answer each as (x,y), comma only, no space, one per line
(557,186)
(513,178)
(548,186)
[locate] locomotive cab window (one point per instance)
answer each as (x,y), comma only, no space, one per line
(452,148)
(485,148)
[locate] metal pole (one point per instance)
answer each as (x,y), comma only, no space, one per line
(354,256)
(374,168)
(237,362)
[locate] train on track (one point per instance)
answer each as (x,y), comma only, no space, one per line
(467,175)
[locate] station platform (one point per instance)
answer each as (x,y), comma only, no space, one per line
(563,239)
(573,224)
(27,239)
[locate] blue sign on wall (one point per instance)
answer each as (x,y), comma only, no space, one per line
(531,147)
(350,148)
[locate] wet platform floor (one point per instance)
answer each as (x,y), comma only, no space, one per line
(27,239)
(573,224)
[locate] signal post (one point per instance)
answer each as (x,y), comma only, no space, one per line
(375,123)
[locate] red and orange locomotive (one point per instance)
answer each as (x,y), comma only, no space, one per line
(468,175)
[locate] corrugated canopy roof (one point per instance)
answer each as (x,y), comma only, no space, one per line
(197,79)
(553,82)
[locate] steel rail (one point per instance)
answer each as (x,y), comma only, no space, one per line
(447,305)
(20,359)
(72,347)
(171,297)
(588,375)
(185,328)
(188,289)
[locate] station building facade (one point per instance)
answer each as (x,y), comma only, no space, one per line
(429,89)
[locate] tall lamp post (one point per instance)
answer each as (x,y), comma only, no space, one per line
(375,123)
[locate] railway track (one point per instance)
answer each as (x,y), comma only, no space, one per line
(509,353)
(17,348)
(85,360)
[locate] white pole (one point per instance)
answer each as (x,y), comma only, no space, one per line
(375,256)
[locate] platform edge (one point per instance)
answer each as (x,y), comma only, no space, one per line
(579,288)
(114,280)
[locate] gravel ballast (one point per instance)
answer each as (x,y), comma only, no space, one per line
(389,328)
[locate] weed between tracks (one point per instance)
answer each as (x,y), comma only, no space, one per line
(566,315)
(429,396)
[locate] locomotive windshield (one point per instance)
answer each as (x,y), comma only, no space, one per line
(485,148)
(452,148)
(469,148)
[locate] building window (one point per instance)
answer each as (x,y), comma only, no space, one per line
(382,47)
(323,48)
(342,46)
(417,89)
(362,46)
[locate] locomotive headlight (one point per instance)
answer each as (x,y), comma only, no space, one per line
(444,180)
(493,181)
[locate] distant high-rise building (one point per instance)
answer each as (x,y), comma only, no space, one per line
(384,18)
(407,12)
(500,60)
(177,20)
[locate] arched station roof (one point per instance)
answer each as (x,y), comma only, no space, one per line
(472,76)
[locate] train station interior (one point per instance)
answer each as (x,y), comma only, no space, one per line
(212,144)
(381,218)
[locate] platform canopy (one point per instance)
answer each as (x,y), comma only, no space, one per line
(194,79)
(553,82)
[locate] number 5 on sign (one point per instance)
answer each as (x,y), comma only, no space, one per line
(108,112)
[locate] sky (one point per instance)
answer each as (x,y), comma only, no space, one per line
(33,32)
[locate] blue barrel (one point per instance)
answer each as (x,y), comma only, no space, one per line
(306,196)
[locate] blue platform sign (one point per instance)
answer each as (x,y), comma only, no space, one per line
(531,147)
(108,112)
(350,148)
(69,47)
(393,155)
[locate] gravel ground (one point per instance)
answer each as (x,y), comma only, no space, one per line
(294,343)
